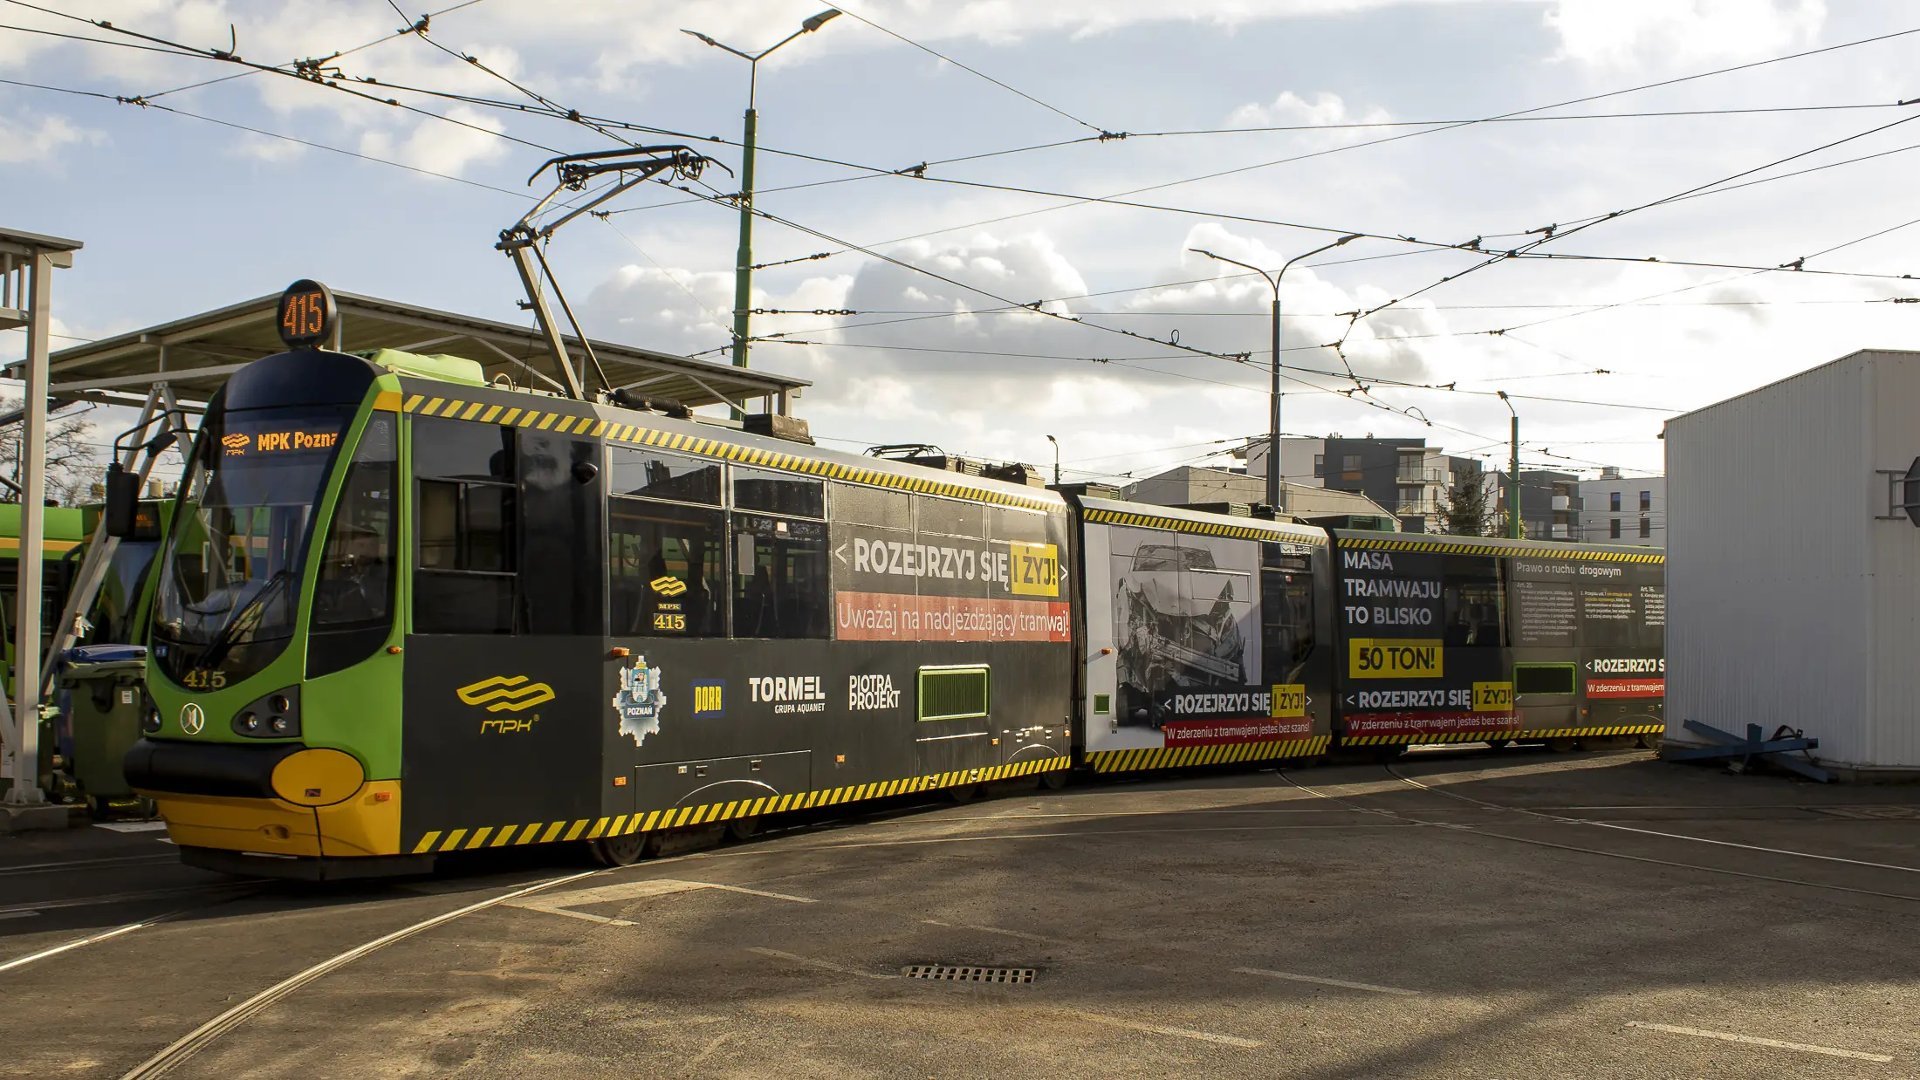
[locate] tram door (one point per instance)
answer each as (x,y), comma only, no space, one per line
(953,718)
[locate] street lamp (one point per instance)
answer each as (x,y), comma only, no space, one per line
(743,274)
(1513,472)
(1274,490)
(1056,459)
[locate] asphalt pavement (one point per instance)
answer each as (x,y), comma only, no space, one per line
(1459,913)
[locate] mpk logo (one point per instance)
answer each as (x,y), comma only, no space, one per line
(503,693)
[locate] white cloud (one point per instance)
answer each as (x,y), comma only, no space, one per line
(268,150)
(1666,33)
(38,143)
(1325,108)
(439,145)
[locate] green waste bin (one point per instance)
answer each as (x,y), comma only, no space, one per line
(106,693)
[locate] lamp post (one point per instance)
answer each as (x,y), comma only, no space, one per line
(1274,490)
(743,274)
(1056,459)
(1513,472)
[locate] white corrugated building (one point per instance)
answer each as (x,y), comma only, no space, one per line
(1793,582)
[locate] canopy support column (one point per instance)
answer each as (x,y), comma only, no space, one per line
(22,735)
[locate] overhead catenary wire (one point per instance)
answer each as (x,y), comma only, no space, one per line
(930,51)
(304,71)
(336,83)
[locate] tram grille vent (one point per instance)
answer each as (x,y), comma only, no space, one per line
(964,973)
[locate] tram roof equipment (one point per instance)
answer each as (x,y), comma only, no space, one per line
(195,354)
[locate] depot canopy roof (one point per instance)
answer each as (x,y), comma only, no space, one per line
(196,354)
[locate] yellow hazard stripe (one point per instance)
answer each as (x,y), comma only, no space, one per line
(1116,761)
(1205,528)
(623,432)
(1536,550)
(545,832)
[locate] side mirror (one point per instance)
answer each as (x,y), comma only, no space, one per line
(123,501)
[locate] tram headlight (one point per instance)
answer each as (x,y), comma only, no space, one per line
(270,716)
(151,724)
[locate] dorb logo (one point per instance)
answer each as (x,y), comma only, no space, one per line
(235,443)
(709,699)
(668,585)
(192,718)
(504,693)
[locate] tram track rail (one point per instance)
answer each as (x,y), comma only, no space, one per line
(1481,830)
(184,1048)
(27,869)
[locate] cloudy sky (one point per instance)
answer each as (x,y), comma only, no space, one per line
(1258,129)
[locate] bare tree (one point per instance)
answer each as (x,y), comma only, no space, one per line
(73,465)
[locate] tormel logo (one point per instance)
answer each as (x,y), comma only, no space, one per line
(504,693)
(235,443)
(667,585)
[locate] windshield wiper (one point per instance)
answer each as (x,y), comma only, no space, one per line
(248,617)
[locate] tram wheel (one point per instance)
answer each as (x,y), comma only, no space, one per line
(1561,746)
(1499,744)
(966,793)
(1053,781)
(1649,741)
(618,850)
(743,828)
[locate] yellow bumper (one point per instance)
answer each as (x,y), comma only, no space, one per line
(366,823)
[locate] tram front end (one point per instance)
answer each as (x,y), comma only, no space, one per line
(272,743)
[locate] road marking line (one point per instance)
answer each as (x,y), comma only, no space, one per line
(1157,1029)
(1327,982)
(756,892)
(1752,1040)
(565,903)
(1757,847)
(987,930)
(826,965)
(586,916)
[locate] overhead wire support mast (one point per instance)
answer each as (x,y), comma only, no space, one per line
(521,241)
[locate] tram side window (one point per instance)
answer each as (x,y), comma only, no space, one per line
(464,533)
(653,474)
(780,585)
(1286,612)
(666,565)
(778,493)
(1474,602)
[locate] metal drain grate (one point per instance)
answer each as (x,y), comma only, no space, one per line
(962,973)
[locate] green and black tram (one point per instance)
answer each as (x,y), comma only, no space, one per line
(402,612)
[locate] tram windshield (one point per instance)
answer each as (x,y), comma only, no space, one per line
(230,580)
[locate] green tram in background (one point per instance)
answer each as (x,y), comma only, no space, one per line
(65,531)
(401,612)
